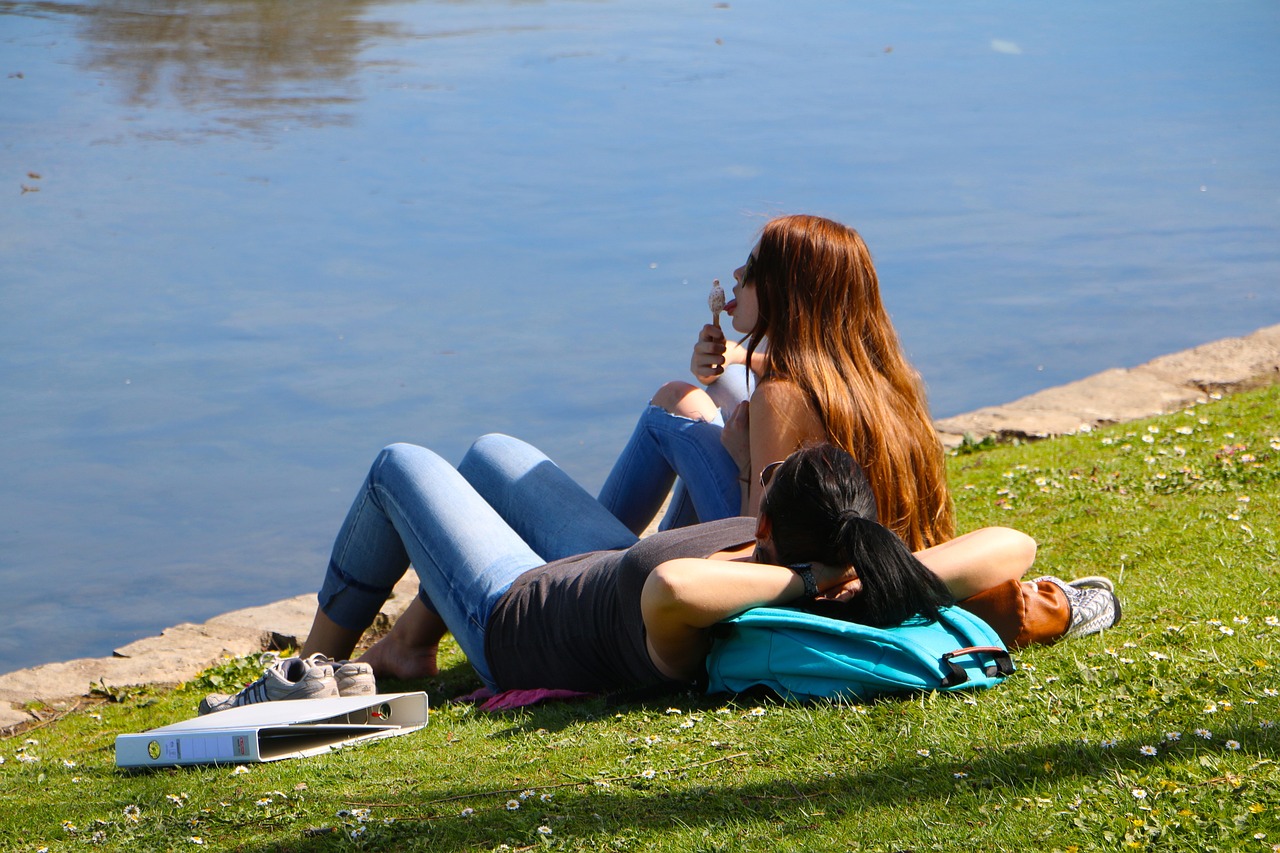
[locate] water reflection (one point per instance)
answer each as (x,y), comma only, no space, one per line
(251,64)
(489,218)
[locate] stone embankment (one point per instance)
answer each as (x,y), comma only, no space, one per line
(1163,385)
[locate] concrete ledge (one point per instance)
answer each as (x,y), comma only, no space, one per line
(1162,385)
(176,655)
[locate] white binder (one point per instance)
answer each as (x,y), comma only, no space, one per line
(270,731)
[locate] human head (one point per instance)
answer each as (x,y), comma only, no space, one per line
(817,300)
(807,272)
(819,508)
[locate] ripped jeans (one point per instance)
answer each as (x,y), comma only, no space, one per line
(664,447)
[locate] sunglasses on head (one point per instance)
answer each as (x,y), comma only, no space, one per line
(767,472)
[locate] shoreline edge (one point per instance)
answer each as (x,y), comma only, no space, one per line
(1162,385)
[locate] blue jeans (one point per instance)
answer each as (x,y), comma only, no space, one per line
(733,387)
(662,447)
(416,508)
(540,502)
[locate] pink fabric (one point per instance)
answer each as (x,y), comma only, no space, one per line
(509,699)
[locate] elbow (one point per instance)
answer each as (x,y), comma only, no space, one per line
(675,596)
(1028,548)
(661,595)
(1006,554)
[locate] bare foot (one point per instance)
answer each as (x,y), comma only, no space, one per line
(393,659)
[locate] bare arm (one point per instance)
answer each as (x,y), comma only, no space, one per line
(736,353)
(682,598)
(980,559)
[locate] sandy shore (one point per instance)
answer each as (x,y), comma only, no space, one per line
(1162,385)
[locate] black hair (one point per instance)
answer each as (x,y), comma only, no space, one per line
(821,509)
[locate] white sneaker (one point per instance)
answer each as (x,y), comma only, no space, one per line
(354,677)
(290,678)
(1094,607)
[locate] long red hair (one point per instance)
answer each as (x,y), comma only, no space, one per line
(828,333)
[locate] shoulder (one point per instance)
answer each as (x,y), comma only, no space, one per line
(785,404)
(779,391)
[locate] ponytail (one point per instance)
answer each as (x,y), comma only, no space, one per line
(820,509)
(895,585)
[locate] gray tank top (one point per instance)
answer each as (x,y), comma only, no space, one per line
(575,624)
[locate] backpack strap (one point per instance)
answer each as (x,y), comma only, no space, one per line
(1002,668)
(986,642)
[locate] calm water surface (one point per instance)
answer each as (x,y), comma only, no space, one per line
(245,244)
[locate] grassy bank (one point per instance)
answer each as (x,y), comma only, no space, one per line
(1158,733)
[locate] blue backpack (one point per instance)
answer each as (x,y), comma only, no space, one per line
(804,656)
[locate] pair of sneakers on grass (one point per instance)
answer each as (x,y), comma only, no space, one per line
(312,677)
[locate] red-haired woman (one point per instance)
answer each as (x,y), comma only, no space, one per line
(829,368)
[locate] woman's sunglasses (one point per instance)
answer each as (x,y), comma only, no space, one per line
(749,268)
(767,472)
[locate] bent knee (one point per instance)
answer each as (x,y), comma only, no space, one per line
(491,442)
(689,401)
(1019,550)
(402,450)
(400,456)
(672,394)
(498,452)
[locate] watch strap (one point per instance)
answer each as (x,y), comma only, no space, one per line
(805,571)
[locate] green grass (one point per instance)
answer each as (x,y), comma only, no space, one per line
(1181,510)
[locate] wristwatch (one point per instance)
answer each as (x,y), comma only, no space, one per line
(805,571)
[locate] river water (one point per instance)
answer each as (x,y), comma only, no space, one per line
(245,244)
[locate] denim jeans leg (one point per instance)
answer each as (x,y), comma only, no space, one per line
(640,480)
(680,510)
(539,501)
(662,446)
(416,508)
